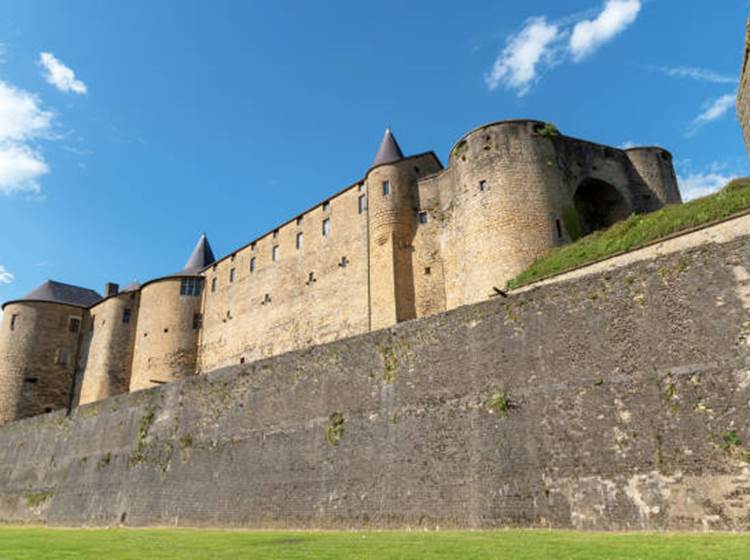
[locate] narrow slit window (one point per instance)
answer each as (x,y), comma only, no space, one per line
(252,264)
(311,278)
(423,217)
(300,240)
(275,252)
(362,204)
(558,226)
(126,315)
(326,227)
(13,321)
(386,188)
(213,285)
(231,275)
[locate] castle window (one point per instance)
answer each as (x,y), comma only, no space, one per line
(276,234)
(252,264)
(344,262)
(197,321)
(423,217)
(275,252)
(62,358)
(252,246)
(482,185)
(13,321)
(266,299)
(231,259)
(558,225)
(126,316)
(300,240)
(427,270)
(231,275)
(213,285)
(386,188)
(326,227)
(311,278)
(361,187)
(191,286)
(326,206)
(362,204)
(299,220)
(74,324)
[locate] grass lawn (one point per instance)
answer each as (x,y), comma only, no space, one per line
(637,231)
(156,544)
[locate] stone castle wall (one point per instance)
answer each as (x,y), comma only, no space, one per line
(743,93)
(613,401)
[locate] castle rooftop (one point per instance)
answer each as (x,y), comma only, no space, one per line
(201,257)
(58,292)
(389,150)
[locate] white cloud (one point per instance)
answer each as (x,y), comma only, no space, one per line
(695,185)
(516,67)
(589,35)
(713,110)
(22,120)
(627,145)
(694,73)
(5,276)
(59,75)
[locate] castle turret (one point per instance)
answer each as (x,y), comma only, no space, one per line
(109,349)
(654,167)
(169,320)
(39,344)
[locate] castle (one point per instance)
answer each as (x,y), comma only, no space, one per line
(410,239)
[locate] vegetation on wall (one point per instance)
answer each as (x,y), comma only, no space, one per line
(639,230)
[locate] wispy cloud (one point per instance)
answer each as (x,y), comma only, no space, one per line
(517,66)
(22,120)
(59,75)
(589,35)
(541,43)
(627,145)
(713,110)
(695,73)
(5,276)
(695,185)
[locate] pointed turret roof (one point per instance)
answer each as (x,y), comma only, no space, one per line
(57,292)
(200,258)
(389,150)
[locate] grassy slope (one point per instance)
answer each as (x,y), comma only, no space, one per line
(159,544)
(637,231)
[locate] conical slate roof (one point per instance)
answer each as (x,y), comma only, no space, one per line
(200,258)
(389,150)
(58,292)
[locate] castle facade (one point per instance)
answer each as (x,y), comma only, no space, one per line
(410,239)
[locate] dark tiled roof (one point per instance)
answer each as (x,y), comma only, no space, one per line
(389,150)
(63,293)
(200,258)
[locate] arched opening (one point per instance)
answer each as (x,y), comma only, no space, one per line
(599,205)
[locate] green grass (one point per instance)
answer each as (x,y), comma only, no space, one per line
(638,230)
(160,544)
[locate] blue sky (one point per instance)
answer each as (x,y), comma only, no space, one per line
(127,128)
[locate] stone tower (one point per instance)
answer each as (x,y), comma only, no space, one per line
(39,344)
(169,321)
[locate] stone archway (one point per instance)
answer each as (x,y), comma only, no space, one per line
(599,205)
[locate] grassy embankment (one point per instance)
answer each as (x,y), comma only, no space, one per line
(638,231)
(162,544)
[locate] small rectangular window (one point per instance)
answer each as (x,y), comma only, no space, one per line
(191,286)
(275,252)
(126,316)
(300,240)
(197,321)
(74,324)
(275,234)
(231,275)
(326,206)
(213,285)
(362,204)
(13,321)
(422,217)
(483,185)
(326,227)
(252,264)
(62,358)
(386,188)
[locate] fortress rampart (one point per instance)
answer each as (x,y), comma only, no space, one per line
(614,401)
(409,240)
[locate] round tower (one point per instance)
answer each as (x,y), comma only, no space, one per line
(390,187)
(39,344)
(110,353)
(654,166)
(508,200)
(169,321)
